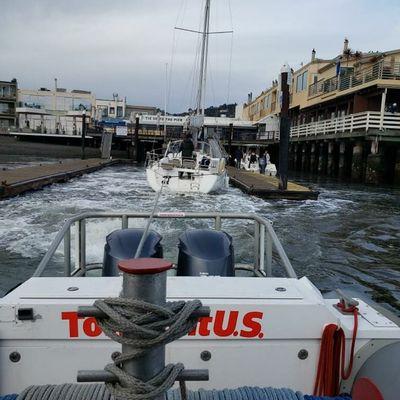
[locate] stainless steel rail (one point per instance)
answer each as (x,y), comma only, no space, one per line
(265,238)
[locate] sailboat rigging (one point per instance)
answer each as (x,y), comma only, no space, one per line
(203,170)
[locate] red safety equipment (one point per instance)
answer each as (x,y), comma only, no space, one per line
(332,357)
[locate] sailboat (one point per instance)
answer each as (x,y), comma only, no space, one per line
(202,171)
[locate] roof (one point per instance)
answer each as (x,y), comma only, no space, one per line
(147,107)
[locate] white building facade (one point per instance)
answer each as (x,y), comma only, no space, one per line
(54,111)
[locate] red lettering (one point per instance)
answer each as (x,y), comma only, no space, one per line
(252,323)
(72,318)
(254,326)
(203,326)
(91,328)
(219,330)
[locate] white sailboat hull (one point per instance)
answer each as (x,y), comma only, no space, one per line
(198,182)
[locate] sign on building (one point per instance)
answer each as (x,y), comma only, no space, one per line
(121,131)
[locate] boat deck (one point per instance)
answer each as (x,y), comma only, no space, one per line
(267,187)
(19,180)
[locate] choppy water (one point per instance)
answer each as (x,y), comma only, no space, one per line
(349,238)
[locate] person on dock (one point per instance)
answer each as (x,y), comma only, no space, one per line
(267,157)
(253,158)
(238,157)
(262,162)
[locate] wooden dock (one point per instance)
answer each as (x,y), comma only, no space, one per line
(19,180)
(267,187)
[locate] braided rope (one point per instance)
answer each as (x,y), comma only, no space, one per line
(73,391)
(66,391)
(144,326)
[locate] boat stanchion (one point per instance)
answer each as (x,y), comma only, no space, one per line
(144,281)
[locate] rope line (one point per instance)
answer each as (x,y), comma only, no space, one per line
(332,357)
(66,391)
(144,326)
(99,392)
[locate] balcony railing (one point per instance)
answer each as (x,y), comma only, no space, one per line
(8,96)
(379,70)
(361,121)
(8,111)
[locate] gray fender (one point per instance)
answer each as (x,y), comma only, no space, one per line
(378,360)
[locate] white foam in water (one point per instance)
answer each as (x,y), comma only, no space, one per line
(322,238)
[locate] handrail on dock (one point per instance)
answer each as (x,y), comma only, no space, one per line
(265,239)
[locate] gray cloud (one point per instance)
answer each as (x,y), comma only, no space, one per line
(122,46)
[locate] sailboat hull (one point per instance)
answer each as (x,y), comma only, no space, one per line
(197,182)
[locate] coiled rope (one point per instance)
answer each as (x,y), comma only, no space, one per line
(66,391)
(242,393)
(332,357)
(248,393)
(75,391)
(144,326)
(9,397)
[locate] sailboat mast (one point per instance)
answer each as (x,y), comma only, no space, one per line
(203,61)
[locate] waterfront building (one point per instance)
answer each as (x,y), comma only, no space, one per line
(110,114)
(132,111)
(53,111)
(8,100)
(114,108)
(118,108)
(344,114)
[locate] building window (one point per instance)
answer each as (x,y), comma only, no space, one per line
(301,82)
(119,111)
(112,110)
(267,102)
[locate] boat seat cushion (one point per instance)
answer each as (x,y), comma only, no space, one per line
(188,163)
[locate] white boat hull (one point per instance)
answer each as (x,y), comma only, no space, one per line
(199,182)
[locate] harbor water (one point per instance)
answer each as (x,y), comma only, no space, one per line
(349,238)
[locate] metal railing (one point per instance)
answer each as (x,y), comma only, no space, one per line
(8,94)
(379,70)
(323,86)
(265,240)
(349,123)
(7,112)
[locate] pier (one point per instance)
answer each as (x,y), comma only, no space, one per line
(19,180)
(267,187)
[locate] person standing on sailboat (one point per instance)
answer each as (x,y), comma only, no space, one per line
(186,148)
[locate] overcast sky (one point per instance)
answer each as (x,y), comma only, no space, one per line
(122,46)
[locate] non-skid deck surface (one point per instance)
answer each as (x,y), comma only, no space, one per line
(268,186)
(19,180)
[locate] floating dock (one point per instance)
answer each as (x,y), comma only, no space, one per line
(267,187)
(19,180)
